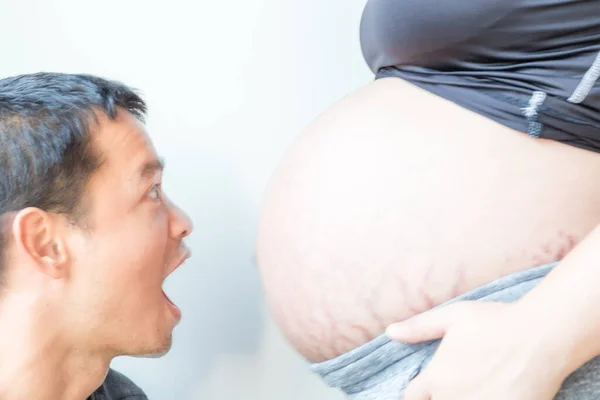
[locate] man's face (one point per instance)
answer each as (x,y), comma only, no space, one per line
(131,240)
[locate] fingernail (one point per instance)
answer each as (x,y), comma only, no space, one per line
(396,330)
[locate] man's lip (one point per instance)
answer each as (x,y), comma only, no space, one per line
(184,256)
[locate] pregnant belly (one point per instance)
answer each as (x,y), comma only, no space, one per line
(395,200)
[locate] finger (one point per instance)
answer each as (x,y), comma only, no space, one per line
(417,389)
(427,326)
(434,324)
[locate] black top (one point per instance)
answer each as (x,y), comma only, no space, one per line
(532,65)
(117,386)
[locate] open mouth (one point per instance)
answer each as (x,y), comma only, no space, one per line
(172,307)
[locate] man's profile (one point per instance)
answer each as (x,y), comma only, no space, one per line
(87,238)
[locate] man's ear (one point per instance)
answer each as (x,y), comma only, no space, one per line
(37,237)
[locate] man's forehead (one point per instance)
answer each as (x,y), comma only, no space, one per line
(124,144)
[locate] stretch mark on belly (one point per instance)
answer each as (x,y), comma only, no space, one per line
(459,284)
(313,332)
(556,249)
(364,333)
(402,287)
(568,243)
(426,286)
(339,341)
(370,305)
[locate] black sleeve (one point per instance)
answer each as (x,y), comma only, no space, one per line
(117,386)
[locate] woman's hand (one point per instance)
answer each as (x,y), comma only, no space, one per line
(492,351)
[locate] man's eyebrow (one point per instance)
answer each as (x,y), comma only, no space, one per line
(152,166)
(149,168)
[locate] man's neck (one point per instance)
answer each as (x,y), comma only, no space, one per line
(36,360)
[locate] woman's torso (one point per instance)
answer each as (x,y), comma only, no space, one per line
(395,200)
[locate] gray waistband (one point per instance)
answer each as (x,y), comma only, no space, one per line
(380,360)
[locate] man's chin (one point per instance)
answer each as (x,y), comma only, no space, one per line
(154,352)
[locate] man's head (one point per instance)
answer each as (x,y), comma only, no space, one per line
(85,227)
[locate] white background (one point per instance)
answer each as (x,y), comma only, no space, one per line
(229,85)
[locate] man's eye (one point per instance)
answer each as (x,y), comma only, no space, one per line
(155,193)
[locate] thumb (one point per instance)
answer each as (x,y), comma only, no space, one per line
(430,325)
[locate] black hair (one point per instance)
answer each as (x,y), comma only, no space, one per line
(46,157)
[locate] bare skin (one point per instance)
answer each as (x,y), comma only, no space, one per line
(76,296)
(384,208)
(522,350)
